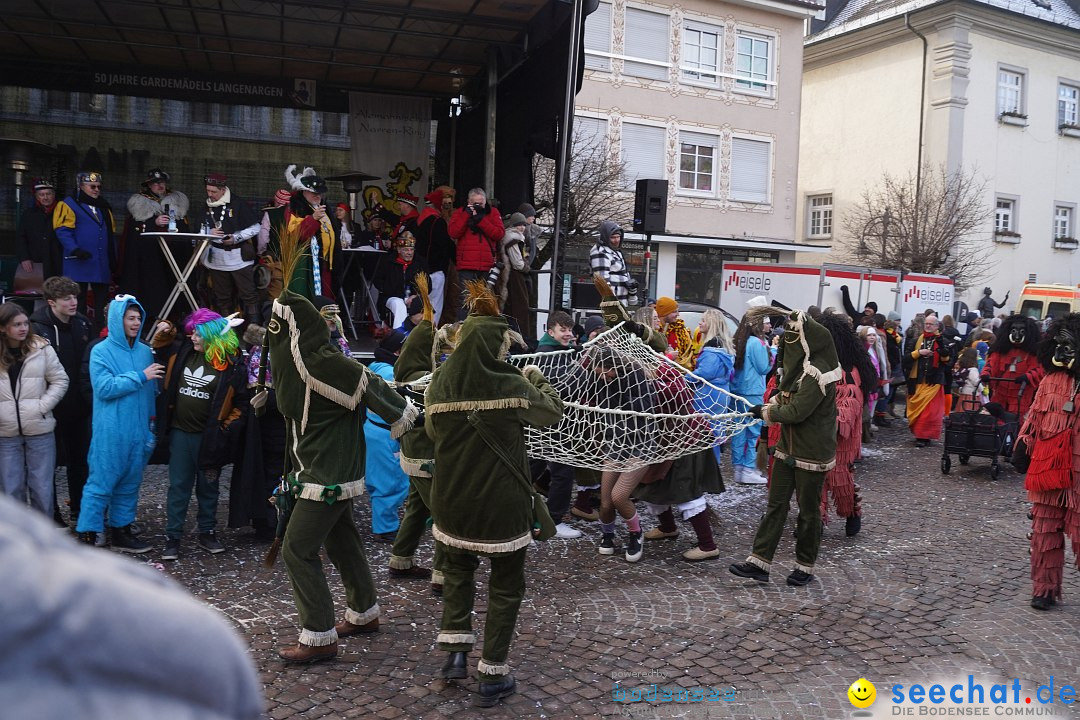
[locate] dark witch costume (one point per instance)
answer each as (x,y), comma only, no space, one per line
(857,383)
(805,408)
(143,270)
(482,500)
(1013,357)
(323,396)
(1048,450)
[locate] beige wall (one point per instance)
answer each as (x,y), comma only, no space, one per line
(859,120)
(676,105)
(1033,163)
(860,117)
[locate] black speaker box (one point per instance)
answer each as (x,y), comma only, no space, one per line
(650,206)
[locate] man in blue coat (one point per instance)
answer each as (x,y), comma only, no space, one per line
(85,228)
(122,374)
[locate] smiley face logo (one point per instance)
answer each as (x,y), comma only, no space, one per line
(862,693)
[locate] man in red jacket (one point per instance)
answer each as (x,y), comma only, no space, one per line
(475,228)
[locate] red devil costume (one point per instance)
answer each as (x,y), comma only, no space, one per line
(1049,450)
(857,383)
(1013,357)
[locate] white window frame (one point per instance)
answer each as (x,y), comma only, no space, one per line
(598,57)
(1068,113)
(1064,219)
(631,182)
(768,172)
(692,73)
(698,138)
(636,66)
(820,213)
(1011,90)
(1005,215)
(748,84)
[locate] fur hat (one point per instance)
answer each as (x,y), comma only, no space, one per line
(665,306)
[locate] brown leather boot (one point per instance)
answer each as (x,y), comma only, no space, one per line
(301,653)
(348,629)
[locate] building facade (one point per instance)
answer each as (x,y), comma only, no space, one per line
(705,95)
(976,86)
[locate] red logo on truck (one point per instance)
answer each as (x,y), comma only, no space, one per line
(756,283)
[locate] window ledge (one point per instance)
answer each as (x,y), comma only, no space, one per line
(1069,130)
(1007,237)
(1064,243)
(818,238)
(1013,119)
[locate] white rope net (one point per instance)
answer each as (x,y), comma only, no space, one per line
(625,406)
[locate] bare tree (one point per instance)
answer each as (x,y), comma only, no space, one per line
(596,188)
(939,229)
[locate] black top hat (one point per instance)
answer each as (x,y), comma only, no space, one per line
(314,183)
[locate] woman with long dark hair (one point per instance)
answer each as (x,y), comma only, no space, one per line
(32,382)
(752,363)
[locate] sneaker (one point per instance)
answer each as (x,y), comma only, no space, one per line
(210,543)
(658,534)
(126,541)
(172,550)
(607,544)
(749,570)
(751,476)
(635,547)
(562,530)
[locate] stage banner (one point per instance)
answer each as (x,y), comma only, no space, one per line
(391,138)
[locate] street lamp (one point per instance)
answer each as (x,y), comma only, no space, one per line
(353,182)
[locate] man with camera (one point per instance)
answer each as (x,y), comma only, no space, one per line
(475,228)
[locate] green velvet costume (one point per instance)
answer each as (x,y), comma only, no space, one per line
(323,396)
(481,498)
(805,407)
(417,455)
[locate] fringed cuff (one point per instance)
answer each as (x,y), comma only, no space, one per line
(808,569)
(415,468)
(492,669)
(404,423)
(763,564)
(449,637)
(362,618)
(317,492)
(401,563)
(480,546)
(312,638)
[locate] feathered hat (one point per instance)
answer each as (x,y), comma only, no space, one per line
(307,180)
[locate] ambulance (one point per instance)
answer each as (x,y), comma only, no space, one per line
(1038,300)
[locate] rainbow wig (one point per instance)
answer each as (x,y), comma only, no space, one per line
(218,339)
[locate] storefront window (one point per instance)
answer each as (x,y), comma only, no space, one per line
(697,270)
(576,264)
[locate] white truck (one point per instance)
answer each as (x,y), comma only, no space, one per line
(800,286)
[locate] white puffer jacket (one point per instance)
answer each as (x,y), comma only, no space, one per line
(42,383)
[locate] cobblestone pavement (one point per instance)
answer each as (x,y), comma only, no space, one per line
(935,587)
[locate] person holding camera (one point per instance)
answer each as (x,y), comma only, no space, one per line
(606,260)
(475,228)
